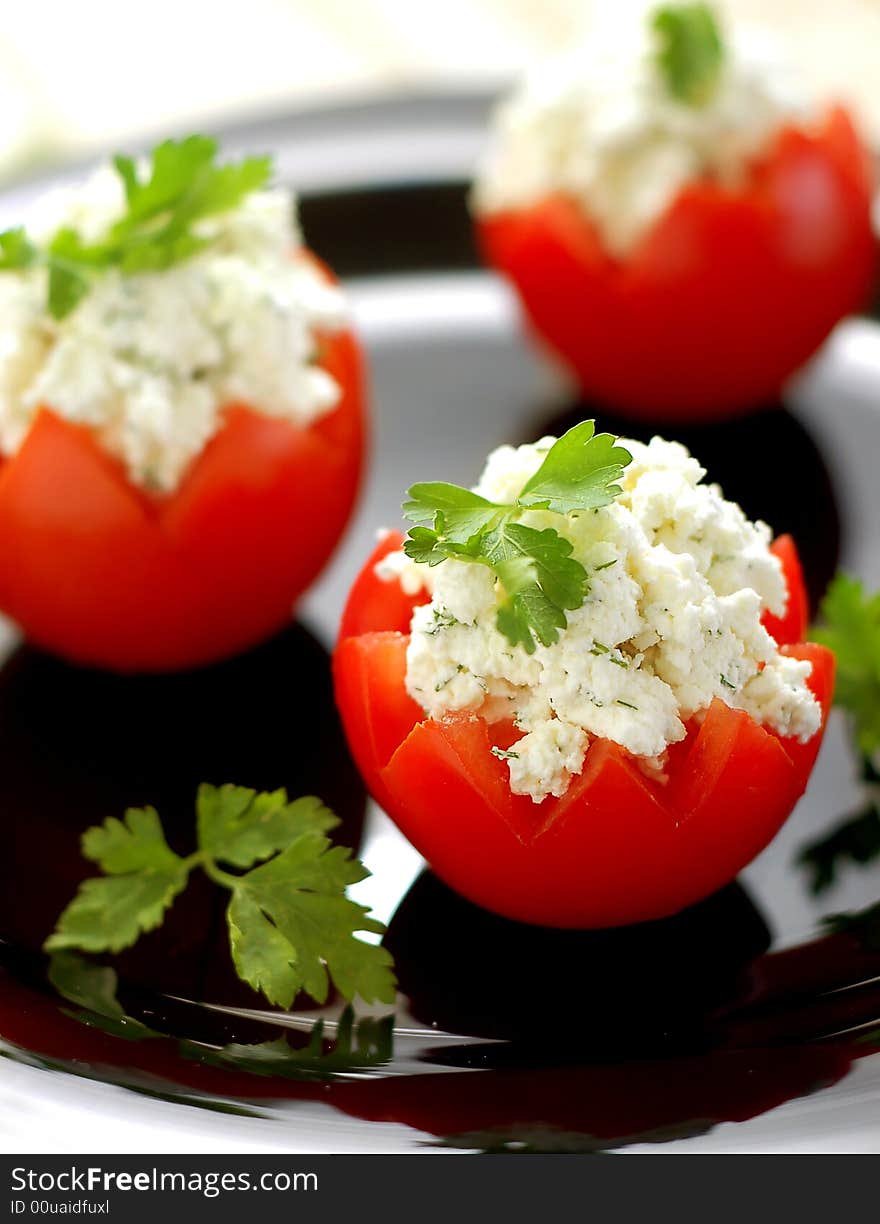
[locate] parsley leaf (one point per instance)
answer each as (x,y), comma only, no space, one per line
(425,546)
(176,164)
(16,249)
(463,513)
(181,185)
(135,843)
(68,285)
(548,556)
(295,907)
(852,631)
(579,473)
(529,612)
(291,926)
(240,826)
(538,577)
(143,876)
(541,579)
(690,52)
(108,915)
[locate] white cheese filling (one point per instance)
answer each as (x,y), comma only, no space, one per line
(678,578)
(151,361)
(600,125)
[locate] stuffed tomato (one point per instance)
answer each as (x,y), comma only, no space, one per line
(682,225)
(181,413)
(567,691)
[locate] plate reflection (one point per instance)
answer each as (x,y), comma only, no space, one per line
(79,745)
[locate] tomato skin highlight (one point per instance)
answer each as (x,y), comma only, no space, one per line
(617,847)
(369,675)
(374,605)
(102,573)
(721,301)
(792,626)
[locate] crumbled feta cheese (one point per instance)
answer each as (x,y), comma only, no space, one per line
(553,753)
(679,579)
(599,124)
(397,566)
(150,361)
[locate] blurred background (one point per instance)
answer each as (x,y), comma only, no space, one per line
(77,77)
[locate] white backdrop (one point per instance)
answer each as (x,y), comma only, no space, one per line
(76,74)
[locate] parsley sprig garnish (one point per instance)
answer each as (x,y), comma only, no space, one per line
(690,51)
(181,185)
(538,577)
(291,926)
(851,628)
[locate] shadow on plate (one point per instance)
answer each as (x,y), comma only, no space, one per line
(79,745)
(626,992)
(579,1103)
(785,1028)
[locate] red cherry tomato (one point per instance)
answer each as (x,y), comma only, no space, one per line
(374,604)
(100,572)
(617,847)
(727,294)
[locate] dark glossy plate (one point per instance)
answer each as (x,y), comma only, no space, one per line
(739,1025)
